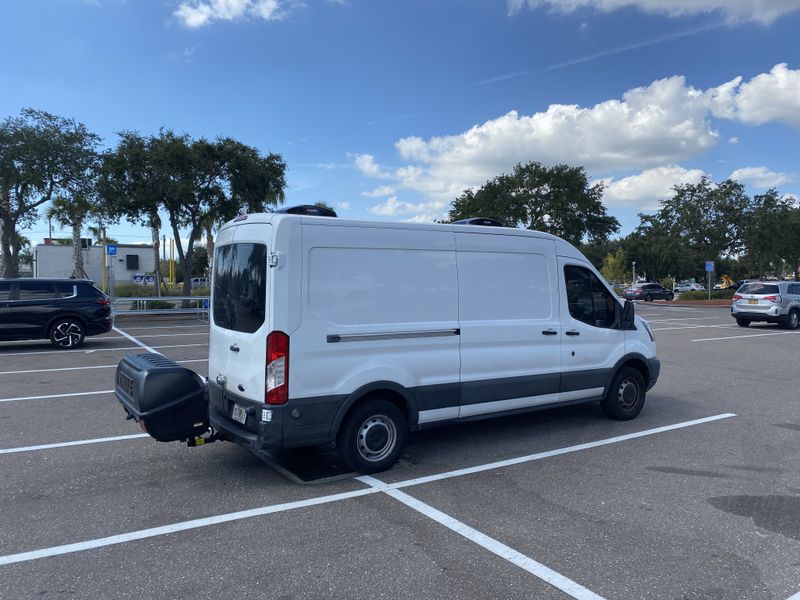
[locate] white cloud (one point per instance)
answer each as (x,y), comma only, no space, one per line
(379,192)
(773,96)
(343,206)
(660,124)
(645,190)
(761,177)
(762,11)
(197,13)
(367,165)
(420,212)
(733,140)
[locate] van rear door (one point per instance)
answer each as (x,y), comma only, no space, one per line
(240,311)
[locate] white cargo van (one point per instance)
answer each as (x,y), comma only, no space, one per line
(324,329)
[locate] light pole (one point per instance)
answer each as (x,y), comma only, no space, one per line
(633,280)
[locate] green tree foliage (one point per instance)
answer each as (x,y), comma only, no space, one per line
(767,232)
(41,156)
(556,199)
(615,266)
(72,212)
(197,183)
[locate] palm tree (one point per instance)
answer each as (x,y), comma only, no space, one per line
(71,212)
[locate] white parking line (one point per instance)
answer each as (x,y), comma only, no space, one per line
(94,350)
(204,326)
(738,337)
(85,368)
(794,597)
(678,328)
(494,546)
(56,396)
(135,341)
(182,526)
(169,335)
(245,514)
(117,438)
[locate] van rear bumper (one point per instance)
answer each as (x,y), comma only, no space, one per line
(255,434)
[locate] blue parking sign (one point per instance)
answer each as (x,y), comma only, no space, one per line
(709,266)
(111,249)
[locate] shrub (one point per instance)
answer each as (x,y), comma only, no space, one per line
(715,295)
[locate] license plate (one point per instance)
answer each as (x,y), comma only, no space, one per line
(239,414)
(752,301)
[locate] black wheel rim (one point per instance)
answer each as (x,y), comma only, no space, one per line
(67,334)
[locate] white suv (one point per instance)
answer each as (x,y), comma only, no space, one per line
(770,301)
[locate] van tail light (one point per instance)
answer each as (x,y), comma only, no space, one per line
(772,298)
(104,301)
(737,296)
(277,391)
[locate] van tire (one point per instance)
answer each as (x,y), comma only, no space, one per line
(372,436)
(626,394)
(742,322)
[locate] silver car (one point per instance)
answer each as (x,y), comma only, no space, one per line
(770,301)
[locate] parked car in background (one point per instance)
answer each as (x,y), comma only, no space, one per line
(648,292)
(63,310)
(688,286)
(770,301)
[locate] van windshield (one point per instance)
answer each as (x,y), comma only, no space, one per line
(240,286)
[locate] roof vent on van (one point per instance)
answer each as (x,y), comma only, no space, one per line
(307,209)
(485,221)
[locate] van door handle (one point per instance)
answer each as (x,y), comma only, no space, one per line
(573,332)
(235,347)
(549,332)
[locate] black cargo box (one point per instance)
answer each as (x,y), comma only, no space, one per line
(169,401)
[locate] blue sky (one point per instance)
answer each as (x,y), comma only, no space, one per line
(388,110)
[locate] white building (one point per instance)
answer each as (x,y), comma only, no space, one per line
(129,265)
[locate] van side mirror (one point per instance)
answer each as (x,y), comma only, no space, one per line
(628,320)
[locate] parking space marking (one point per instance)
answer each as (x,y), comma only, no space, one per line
(494,546)
(135,341)
(265,510)
(169,335)
(72,394)
(95,350)
(738,337)
(117,438)
(559,451)
(678,328)
(10,559)
(794,597)
(194,360)
(204,326)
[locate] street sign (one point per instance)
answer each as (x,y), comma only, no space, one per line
(111,249)
(709,266)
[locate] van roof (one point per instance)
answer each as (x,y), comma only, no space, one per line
(563,248)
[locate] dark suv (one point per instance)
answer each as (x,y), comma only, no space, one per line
(64,310)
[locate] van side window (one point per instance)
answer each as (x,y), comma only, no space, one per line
(588,299)
(5,290)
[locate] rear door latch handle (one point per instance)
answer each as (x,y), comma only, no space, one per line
(235,347)
(573,332)
(549,332)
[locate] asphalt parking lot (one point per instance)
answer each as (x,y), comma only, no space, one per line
(699,497)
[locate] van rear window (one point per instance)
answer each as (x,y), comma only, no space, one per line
(240,287)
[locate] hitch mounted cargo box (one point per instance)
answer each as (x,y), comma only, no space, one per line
(170,402)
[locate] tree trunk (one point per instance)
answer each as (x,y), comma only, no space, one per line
(9,268)
(154,232)
(209,249)
(77,254)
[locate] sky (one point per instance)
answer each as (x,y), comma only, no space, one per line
(390,110)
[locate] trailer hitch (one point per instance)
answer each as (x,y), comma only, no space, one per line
(202,440)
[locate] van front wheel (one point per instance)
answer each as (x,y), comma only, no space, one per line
(372,437)
(625,397)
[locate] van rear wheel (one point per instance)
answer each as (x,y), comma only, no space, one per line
(625,397)
(372,437)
